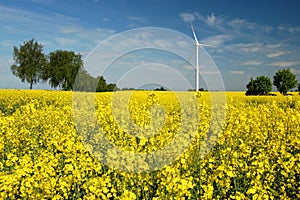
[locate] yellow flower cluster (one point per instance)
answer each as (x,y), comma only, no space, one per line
(44,155)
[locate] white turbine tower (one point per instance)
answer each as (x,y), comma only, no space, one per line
(197,57)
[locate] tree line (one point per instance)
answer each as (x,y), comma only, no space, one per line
(60,68)
(284,80)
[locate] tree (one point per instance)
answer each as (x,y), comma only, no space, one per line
(160,89)
(111,87)
(284,80)
(262,85)
(30,62)
(63,68)
(101,86)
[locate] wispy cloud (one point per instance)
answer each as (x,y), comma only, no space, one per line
(211,20)
(288,29)
(252,63)
(217,40)
(65,31)
(237,72)
(250,29)
(237,23)
(136,21)
(277,53)
(84,34)
(247,47)
(284,63)
(240,25)
(187,17)
(14,17)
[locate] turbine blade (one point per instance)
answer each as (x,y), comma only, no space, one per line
(197,43)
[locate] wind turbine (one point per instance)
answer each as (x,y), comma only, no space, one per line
(197,57)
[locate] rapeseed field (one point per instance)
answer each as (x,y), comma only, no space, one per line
(49,150)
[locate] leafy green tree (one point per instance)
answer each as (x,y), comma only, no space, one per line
(63,68)
(284,80)
(101,86)
(30,62)
(111,87)
(262,85)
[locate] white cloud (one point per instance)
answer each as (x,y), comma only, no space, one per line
(251,47)
(253,63)
(211,19)
(217,40)
(237,72)
(32,19)
(277,54)
(267,28)
(60,16)
(289,29)
(136,21)
(64,30)
(83,38)
(187,17)
(284,63)
(273,46)
(87,34)
(237,23)
(294,30)
(246,47)
(242,25)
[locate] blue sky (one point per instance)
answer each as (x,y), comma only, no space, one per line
(252,38)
